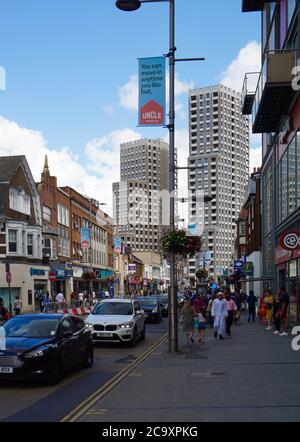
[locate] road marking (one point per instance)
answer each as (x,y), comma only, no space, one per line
(87,404)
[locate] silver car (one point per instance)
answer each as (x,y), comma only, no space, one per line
(117,320)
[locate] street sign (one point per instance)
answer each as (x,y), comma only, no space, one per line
(8,277)
(52,276)
(248,269)
(238,265)
(290,240)
(152,91)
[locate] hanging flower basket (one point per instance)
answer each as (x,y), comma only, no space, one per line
(178,243)
(202,274)
(89,276)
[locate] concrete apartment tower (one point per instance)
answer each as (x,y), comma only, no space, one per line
(139,212)
(219,161)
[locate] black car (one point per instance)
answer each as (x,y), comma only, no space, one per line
(164,302)
(44,346)
(151,307)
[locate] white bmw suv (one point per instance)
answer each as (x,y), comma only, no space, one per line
(117,320)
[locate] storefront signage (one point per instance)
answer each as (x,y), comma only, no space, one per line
(152,91)
(131,268)
(238,265)
(37,272)
(85,237)
(52,276)
(290,240)
(248,268)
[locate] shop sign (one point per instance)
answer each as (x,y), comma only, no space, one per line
(37,272)
(238,265)
(248,268)
(106,273)
(131,268)
(118,245)
(69,271)
(290,240)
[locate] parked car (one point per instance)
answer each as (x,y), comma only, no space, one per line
(117,320)
(151,307)
(44,347)
(164,302)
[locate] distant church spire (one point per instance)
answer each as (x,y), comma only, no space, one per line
(46,171)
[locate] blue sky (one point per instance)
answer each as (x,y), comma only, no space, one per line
(66,61)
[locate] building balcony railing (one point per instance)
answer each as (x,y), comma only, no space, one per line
(274,92)
(248,92)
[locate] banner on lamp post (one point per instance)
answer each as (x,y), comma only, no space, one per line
(152,91)
(118,245)
(85,238)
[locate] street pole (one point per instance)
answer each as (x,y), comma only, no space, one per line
(173,320)
(10,304)
(90,249)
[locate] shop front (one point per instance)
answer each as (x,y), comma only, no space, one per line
(27,282)
(288,275)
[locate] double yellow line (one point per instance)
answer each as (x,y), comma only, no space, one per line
(88,403)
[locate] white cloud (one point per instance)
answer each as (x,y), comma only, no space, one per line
(255,158)
(109,109)
(248,60)
(93,175)
(128,93)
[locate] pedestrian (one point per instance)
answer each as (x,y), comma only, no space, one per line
(189,314)
(199,303)
(201,323)
(41,300)
(107,295)
(219,313)
(231,309)
(17,306)
(59,300)
(81,299)
(276,314)
(208,310)
(4,313)
(251,301)
(285,302)
(269,308)
(47,303)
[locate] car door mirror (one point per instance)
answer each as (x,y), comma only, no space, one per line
(139,312)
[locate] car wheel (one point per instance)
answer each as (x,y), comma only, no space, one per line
(89,358)
(143,334)
(56,373)
(133,341)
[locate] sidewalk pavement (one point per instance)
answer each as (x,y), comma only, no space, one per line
(253,376)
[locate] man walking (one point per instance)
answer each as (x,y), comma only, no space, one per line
(219,313)
(251,301)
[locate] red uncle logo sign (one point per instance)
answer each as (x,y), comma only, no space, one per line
(290,240)
(152,114)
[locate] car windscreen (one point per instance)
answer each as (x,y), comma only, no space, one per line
(23,327)
(163,299)
(113,308)
(147,301)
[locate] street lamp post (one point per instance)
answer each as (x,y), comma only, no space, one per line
(129,6)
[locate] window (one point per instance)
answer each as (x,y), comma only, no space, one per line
(19,201)
(30,245)
(63,215)
(47,214)
(243,229)
(12,241)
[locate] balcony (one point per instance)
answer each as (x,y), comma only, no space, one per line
(248,92)
(274,93)
(254,5)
